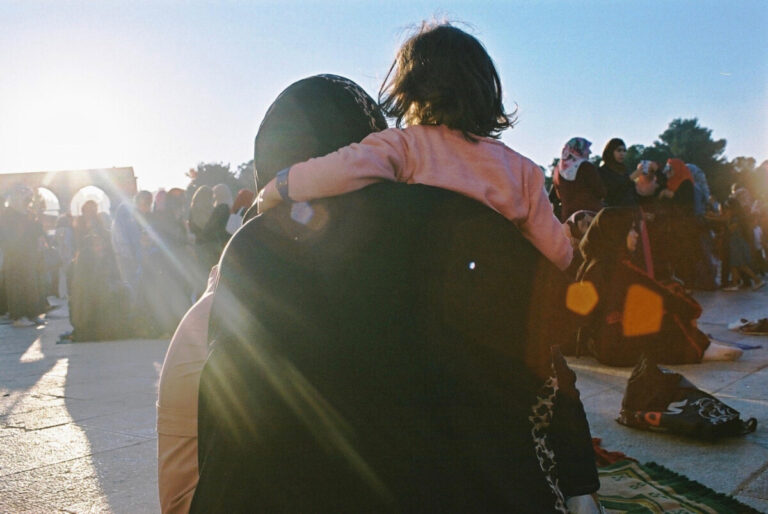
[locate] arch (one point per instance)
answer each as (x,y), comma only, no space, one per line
(50,202)
(87,193)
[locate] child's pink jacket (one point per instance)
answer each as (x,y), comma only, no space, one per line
(488,171)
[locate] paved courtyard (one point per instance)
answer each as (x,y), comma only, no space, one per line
(77,421)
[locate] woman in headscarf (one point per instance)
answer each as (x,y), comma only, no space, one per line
(167,283)
(682,230)
(22,241)
(620,191)
(577,181)
(200,213)
(99,302)
(634,314)
(311,117)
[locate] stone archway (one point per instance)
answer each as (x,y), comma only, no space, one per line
(88,193)
(118,184)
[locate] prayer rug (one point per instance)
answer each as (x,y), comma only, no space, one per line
(627,486)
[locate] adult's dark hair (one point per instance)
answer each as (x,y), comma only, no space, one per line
(608,159)
(313,117)
(444,76)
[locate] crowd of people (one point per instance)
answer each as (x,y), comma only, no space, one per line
(388,345)
(131,275)
(687,235)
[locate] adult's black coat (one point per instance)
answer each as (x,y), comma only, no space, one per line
(384,353)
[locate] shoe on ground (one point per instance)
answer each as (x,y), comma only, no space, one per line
(733,287)
(736,325)
(23,322)
(759,327)
(757,285)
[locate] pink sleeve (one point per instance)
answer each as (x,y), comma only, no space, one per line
(541,227)
(378,157)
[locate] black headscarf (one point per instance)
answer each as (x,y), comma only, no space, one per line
(608,159)
(313,117)
(606,238)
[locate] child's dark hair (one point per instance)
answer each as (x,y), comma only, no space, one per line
(444,76)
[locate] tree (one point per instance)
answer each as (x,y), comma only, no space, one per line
(210,174)
(686,140)
(245,176)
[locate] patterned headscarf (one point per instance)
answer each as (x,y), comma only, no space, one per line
(575,152)
(313,117)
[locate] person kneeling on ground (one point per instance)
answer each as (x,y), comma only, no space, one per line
(619,285)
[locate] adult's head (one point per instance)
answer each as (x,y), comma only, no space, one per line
(677,173)
(313,117)
(444,76)
(20,199)
(613,154)
(243,200)
(645,178)
(175,201)
(159,204)
(222,195)
(89,209)
(574,153)
(143,202)
(607,236)
(201,207)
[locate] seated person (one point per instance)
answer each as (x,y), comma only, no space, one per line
(607,247)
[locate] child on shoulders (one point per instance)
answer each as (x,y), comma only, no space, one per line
(444,88)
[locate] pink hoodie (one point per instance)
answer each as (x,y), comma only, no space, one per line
(487,171)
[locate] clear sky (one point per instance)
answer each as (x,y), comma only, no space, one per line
(162,85)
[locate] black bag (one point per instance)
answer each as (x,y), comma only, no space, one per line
(660,399)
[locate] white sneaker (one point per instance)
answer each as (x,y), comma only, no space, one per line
(23,322)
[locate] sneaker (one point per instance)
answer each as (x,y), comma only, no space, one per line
(23,322)
(732,287)
(757,285)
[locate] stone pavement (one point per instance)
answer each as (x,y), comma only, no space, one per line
(77,421)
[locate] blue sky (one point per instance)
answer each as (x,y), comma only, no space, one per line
(163,85)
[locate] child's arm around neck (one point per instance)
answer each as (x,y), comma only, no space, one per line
(381,156)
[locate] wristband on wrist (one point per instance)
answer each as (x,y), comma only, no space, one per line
(281,183)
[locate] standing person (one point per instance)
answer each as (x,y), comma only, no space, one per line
(127,228)
(678,196)
(577,181)
(65,243)
(208,215)
(620,190)
(444,88)
(166,285)
(321,113)
(22,251)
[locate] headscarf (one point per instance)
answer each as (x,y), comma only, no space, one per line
(606,238)
(202,206)
(222,195)
(645,183)
(313,117)
(608,158)
(159,204)
(243,200)
(680,173)
(575,152)
(573,222)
